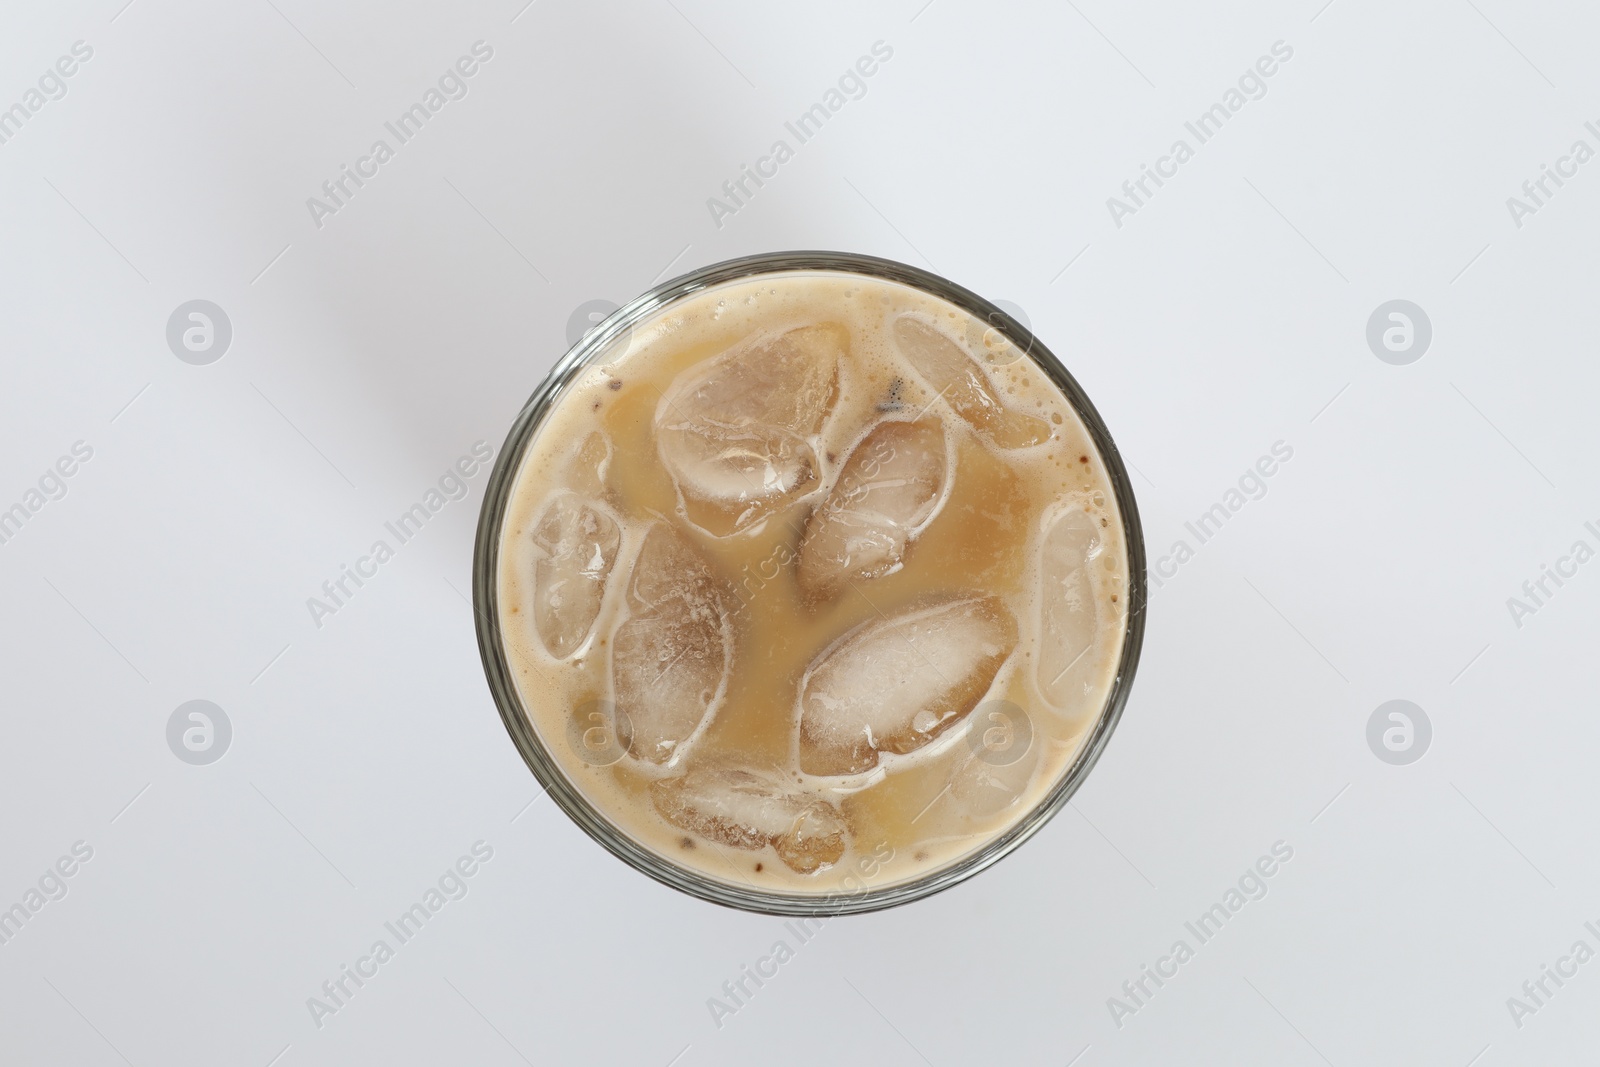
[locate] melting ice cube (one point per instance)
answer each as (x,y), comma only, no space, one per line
(952,372)
(578,545)
(737,432)
(889,489)
(893,685)
(670,659)
(745,809)
(1073,619)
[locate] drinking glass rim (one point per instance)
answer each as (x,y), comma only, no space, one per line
(502,684)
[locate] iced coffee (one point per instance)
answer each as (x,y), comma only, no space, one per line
(812,581)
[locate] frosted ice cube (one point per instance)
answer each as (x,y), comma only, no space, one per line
(993,769)
(670,658)
(1073,620)
(893,685)
(979,790)
(738,432)
(950,369)
(589,463)
(577,545)
(745,809)
(816,840)
(889,489)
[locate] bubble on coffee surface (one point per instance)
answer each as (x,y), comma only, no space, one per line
(838,540)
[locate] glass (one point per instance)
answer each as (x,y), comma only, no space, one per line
(547,768)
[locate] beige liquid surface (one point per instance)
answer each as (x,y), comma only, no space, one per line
(968,776)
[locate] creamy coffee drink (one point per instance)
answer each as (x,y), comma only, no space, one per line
(811,583)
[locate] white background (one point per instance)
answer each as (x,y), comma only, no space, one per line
(368,354)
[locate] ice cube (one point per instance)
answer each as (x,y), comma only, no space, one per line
(577,544)
(816,840)
(1073,620)
(951,370)
(670,658)
(589,463)
(887,492)
(738,432)
(964,793)
(895,684)
(994,768)
(742,808)
(956,792)
(979,790)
